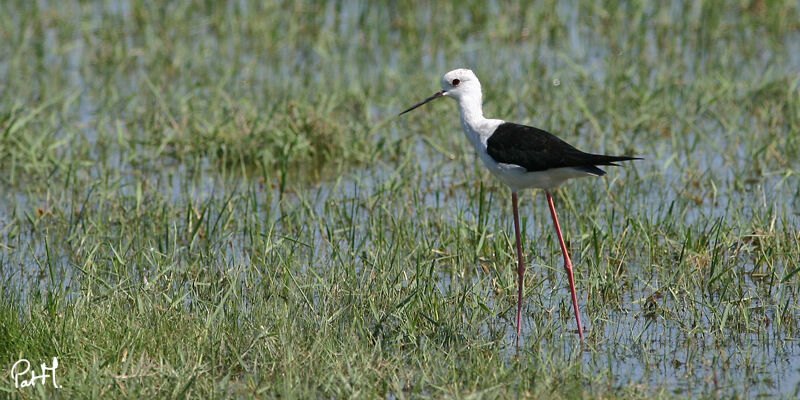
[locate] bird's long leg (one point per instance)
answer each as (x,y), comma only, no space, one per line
(520,267)
(567,263)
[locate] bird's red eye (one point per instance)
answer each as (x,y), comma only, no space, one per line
(456,82)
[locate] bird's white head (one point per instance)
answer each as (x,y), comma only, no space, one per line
(460,84)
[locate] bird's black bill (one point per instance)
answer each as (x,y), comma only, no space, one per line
(434,97)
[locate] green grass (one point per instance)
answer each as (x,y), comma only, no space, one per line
(210,201)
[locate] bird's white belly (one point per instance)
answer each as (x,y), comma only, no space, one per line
(519,178)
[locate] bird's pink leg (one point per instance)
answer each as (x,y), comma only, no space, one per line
(521,265)
(567,263)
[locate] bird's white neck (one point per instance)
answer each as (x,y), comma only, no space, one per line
(471,110)
(476,127)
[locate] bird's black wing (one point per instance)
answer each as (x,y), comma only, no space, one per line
(538,150)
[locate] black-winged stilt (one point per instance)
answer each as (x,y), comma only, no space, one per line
(522,157)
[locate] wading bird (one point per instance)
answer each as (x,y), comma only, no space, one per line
(522,157)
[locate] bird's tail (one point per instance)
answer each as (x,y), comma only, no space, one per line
(600,159)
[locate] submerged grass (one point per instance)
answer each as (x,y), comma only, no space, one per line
(204,200)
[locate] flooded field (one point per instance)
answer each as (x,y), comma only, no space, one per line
(206,201)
